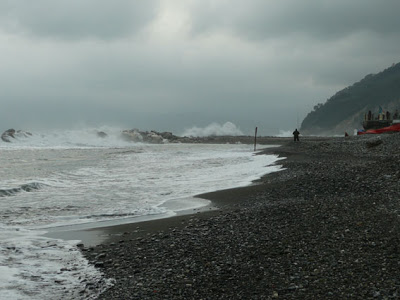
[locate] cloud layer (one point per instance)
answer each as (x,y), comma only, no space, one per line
(170,65)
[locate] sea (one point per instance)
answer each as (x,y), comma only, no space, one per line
(55,180)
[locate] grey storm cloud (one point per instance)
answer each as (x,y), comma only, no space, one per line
(169,65)
(322,19)
(75,19)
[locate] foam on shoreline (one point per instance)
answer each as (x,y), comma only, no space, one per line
(92,234)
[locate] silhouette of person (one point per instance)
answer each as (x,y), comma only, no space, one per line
(296,134)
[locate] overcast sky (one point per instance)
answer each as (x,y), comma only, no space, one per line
(171,65)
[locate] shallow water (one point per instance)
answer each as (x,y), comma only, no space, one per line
(43,186)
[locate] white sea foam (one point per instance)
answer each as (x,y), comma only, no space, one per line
(72,138)
(214,129)
(46,185)
(284,133)
(35,267)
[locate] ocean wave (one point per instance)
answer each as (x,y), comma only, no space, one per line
(69,138)
(214,129)
(28,187)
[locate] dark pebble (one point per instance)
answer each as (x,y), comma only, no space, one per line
(326,227)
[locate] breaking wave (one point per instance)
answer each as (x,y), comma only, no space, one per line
(214,129)
(70,138)
(28,187)
(284,133)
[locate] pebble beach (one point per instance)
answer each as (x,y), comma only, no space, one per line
(325,227)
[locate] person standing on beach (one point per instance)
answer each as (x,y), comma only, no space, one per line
(296,134)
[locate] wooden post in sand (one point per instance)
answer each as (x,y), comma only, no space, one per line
(255,140)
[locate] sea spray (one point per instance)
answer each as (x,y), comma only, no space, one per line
(214,129)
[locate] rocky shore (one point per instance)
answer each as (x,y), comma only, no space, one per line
(326,227)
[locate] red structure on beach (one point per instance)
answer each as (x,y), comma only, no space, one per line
(392,128)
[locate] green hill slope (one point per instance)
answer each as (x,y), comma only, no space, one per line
(345,110)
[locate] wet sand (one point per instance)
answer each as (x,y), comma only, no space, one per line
(93,234)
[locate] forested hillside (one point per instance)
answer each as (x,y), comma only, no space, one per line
(345,110)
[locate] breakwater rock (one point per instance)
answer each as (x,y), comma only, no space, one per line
(101,134)
(152,137)
(10,134)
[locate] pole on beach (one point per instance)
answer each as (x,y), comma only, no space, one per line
(255,140)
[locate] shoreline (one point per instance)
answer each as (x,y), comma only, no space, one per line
(95,233)
(325,227)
